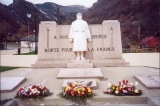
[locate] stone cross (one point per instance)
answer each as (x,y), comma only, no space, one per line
(47,37)
(111,36)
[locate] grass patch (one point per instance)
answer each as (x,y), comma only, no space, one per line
(152,67)
(7,68)
(29,53)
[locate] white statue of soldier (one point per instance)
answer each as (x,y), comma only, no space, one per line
(79,33)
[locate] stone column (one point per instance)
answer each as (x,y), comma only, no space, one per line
(113,44)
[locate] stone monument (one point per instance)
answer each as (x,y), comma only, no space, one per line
(54,49)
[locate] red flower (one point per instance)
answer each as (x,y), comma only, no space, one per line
(44,88)
(123,81)
(70,85)
(68,92)
(73,93)
(20,89)
(126,81)
(80,94)
(37,88)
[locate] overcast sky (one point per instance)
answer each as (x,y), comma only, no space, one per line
(87,3)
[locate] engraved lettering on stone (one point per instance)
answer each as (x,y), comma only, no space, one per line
(106,49)
(66,49)
(47,37)
(111,36)
(52,50)
(90,49)
(63,37)
(98,36)
(55,37)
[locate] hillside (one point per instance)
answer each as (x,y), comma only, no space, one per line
(134,15)
(137,17)
(66,12)
(14,21)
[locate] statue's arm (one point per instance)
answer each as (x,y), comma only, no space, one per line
(71,34)
(88,33)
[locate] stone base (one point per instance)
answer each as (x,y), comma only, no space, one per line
(80,64)
(109,63)
(150,81)
(93,86)
(80,73)
(9,83)
(63,63)
(50,64)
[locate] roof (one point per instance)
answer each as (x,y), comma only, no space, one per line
(31,39)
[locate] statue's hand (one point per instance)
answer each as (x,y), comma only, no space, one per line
(71,40)
(89,40)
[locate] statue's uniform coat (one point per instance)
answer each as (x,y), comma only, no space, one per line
(79,31)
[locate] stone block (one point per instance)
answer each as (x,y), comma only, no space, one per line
(9,83)
(150,81)
(80,73)
(80,61)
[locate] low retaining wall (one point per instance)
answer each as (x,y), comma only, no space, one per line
(135,59)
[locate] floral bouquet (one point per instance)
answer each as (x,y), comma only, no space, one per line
(33,91)
(124,88)
(77,92)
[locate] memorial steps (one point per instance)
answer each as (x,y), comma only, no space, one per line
(79,63)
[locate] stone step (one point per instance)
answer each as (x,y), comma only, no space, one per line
(55,65)
(110,64)
(51,63)
(80,61)
(79,65)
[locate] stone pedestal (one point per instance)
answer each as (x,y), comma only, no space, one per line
(55,50)
(80,64)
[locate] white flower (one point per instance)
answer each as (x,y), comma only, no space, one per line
(136,91)
(109,84)
(116,92)
(131,83)
(136,83)
(108,90)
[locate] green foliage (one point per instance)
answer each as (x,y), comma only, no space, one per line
(7,68)
(29,53)
(76,98)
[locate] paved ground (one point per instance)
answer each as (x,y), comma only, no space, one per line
(48,78)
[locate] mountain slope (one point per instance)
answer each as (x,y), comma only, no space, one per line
(133,14)
(14,21)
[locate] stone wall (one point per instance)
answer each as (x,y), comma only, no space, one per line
(54,43)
